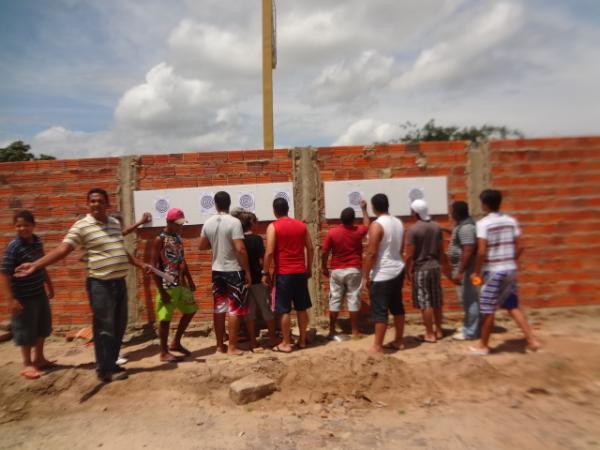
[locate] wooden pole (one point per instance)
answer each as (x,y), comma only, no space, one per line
(267,72)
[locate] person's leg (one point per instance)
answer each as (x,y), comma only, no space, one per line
(286,343)
(354,318)
(397,310)
(353,288)
(103,307)
(29,369)
(234,327)
(44,329)
(163,334)
(437,318)
(252,332)
(399,336)
(421,301)
(333,316)
(301,301)
(379,311)
(380,329)
(434,283)
(186,304)
(302,326)
(219,325)
(336,293)
(427,315)
(250,318)
(470,300)
(521,320)
(121,313)
(40,360)
(487,325)
(181,327)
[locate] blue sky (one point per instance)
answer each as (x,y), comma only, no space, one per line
(83,78)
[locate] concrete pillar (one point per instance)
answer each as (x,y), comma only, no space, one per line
(478,175)
(307,194)
(127,184)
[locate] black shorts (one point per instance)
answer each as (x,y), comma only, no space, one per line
(386,296)
(33,322)
(291,289)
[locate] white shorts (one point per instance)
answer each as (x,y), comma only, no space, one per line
(345,282)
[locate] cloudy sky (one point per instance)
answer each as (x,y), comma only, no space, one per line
(86,77)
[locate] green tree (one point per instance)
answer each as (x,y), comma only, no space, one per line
(19,151)
(433,132)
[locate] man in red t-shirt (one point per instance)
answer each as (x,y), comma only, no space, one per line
(344,242)
(287,239)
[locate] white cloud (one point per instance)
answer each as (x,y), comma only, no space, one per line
(368,131)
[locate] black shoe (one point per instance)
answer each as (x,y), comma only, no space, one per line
(119,369)
(120,375)
(104,377)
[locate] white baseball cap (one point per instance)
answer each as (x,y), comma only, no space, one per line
(420,207)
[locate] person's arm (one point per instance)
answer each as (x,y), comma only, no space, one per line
(242,257)
(366,220)
(204,242)
(324,261)
(49,285)
(137,262)
(146,217)
(479,260)
(269,254)
(375,235)
(446,269)
(467,253)
(157,246)
(310,254)
(55,255)
(14,306)
(188,275)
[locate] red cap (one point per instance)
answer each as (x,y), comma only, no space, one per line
(176,215)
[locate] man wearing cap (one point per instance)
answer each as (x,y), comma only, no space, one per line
(175,289)
(108,263)
(223,234)
(344,242)
(424,257)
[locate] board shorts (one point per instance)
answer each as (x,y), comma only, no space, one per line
(290,290)
(345,282)
(259,298)
(499,289)
(33,322)
(182,298)
(427,289)
(386,296)
(229,293)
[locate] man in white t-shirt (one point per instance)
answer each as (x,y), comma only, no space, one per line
(498,249)
(383,273)
(230,271)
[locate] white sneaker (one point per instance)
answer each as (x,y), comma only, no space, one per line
(121,360)
(459,336)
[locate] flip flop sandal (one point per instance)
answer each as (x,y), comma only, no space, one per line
(30,374)
(478,352)
(277,349)
(421,338)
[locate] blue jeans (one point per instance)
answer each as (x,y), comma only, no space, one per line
(108,300)
(470,300)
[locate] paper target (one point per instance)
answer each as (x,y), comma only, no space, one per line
(282,194)
(246,201)
(354,198)
(161,206)
(207,203)
(416,194)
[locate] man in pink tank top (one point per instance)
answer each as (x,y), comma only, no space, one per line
(287,240)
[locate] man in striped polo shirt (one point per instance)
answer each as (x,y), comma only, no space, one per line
(101,238)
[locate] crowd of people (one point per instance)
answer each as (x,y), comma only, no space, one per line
(249,276)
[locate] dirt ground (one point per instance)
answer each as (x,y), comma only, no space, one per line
(332,395)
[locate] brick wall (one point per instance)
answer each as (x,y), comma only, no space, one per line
(550,185)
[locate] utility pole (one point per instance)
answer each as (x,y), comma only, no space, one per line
(269,62)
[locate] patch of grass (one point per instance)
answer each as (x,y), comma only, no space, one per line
(559,365)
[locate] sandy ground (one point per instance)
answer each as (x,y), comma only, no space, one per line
(333,395)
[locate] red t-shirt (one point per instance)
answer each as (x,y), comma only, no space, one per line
(345,244)
(290,238)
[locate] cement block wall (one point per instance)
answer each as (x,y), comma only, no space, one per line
(550,185)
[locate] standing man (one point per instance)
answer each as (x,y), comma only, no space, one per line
(461,254)
(498,250)
(344,242)
(425,252)
(383,273)
(230,272)
(101,238)
(287,241)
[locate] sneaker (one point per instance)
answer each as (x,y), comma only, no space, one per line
(459,336)
(120,375)
(121,360)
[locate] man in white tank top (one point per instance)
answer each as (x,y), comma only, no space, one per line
(383,273)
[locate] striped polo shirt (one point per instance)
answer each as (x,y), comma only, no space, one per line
(500,231)
(18,252)
(103,243)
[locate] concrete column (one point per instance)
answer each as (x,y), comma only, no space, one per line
(478,175)
(307,194)
(127,184)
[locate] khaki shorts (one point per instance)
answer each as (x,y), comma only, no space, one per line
(258,296)
(345,282)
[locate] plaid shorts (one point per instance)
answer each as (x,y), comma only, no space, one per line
(427,289)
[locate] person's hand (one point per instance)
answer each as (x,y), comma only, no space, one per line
(191,285)
(266,280)
(325,271)
(309,273)
(365,282)
(15,307)
(247,280)
(24,270)
(363,204)
(50,292)
(458,278)
(147,269)
(409,276)
(146,217)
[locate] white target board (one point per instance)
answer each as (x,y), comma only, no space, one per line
(400,192)
(198,203)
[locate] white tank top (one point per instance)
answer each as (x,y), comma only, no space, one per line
(389,263)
